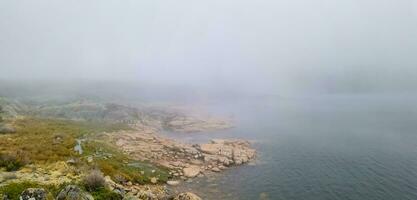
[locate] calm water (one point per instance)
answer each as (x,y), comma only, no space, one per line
(327,147)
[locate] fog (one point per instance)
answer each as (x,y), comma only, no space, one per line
(255,47)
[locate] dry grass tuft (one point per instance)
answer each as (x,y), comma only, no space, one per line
(94,180)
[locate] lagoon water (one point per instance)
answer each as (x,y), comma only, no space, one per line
(339,147)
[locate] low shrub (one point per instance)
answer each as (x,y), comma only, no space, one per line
(13,161)
(94,180)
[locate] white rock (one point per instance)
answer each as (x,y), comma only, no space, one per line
(154,180)
(173,183)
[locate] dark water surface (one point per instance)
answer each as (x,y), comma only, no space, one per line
(327,147)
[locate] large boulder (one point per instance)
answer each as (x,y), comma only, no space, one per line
(73,192)
(33,194)
(191,171)
(187,196)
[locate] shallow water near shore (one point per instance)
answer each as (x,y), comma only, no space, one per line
(319,147)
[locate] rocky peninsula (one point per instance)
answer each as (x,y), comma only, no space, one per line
(133,160)
(184,160)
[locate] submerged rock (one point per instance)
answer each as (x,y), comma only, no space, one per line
(33,194)
(263,196)
(187,196)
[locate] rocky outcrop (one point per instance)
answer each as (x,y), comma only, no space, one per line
(73,192)
(187,196)
(186,124)
(184,160)
(33,194)
(228,152)
(113,186)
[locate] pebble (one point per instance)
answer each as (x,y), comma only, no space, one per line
(173,183)
(154,180)
(215,169)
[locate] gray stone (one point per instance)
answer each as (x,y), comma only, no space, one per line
(33,194)
(73,192)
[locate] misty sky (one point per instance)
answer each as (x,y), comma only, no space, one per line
(276,45)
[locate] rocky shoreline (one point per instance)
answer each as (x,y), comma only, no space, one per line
(184,160)
(142,143)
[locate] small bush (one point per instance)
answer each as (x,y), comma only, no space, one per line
(94,181)
(13,162)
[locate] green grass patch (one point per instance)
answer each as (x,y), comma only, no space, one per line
(14,190)
(43,141)
(50,140)
(105,194)
(114,163)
